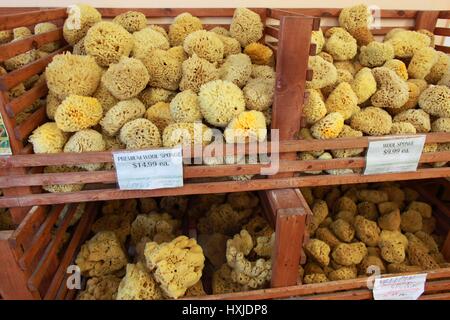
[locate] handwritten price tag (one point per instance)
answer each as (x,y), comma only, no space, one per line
(394,155)
(150,169)
(399,288)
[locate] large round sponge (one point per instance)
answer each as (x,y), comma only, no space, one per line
(132,21)
(139,134)
(205,44)
(160,115)
(436,101)
(247,126)
(86,141)
(197,71)
(328,127)
(107,42)
(372,121)
(48,138)
(220,101)
(246,26)
(164,69)
(237,69)
(81,18)
(126,79)
(147,40)
(77,113)
(120,114)
(72,74)
(183,25)
(258,94)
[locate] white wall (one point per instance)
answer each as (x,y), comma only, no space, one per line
(385,4)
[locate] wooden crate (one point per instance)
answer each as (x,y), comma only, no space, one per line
(22,174)
(285,40)
(30,268)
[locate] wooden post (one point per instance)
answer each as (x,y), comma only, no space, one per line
(426,20)
(291,72)
(13,280)
(289,216)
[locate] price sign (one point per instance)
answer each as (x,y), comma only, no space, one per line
(399,288)
(401,154)
(149,169)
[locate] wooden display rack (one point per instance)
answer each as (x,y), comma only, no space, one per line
(29,249)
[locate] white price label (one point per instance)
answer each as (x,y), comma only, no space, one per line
(399,288)
(389,155)
(150,169)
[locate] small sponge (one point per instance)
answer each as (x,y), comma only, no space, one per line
(340,44)
(315,108)
(324,73)
(418,118)
(184,107)
(393,91)
(48,138)
(147,40)
(436,101)
(183,25)
(343,100)
(164,69)
(205,44)
(259,53)
(372,121)
(247,126)
(375,54)
(258,94)
(120,114)
(328,127)
(160,115)
(196,72)
(364,85)
(132,21)
(139,134)
(85,141)
(246,26)
(237,68)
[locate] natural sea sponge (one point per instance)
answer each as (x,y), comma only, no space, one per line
(101,255)
(85,141)
(413,98)
(315,278)
(230,45)
(258,94)
(318,39)
(345,204)
(164,69)
(343,273)
(107,42)
(132,21)
(367,231)
(184,107)
(48,138)
(151,96)
(347,65)
(237,69)
(247,126)
(423,208)
(6,36)
(77,112)
(327,236)
(390,221)
(436,101)
(328,127)
(418,254)
(106,99)
(343,76)
(406,42)
(324,73)
(160,115)
(126,79)
(100,288)
(439,69)
(220,101)
(392,91)
(420,83)
(150,225)
(343,230)
(182,25)
(441,125)
(398,67)
(139,134)
(147,40)
(196,72)
(21,60)
(71,74)
(177,265)
(340,44)
(221,31)
(343,100)
(52,103)
(246,26)
(411,221)
(120,114)
(375,196)
(81,17)
(403,128)
(320,212)
(222,283)
(348,254)
(364,85)
(357,20)
(186,133)
(138,284)
(319,251)
(367,264)
(368,210)
(375,54)
(120,224)
(44,27)
(372,121)
(79,49)
(205,44)
(326,56)
(418,118)
(259,53)
(315,108)
(348,132)
(422,62)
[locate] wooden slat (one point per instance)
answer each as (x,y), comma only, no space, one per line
(442,32)
(426,20)
(40,240)
(41,270)
(23,235)
(12,279)
(272,31)
(378,31)
(437,285)
(444,14)
(22,102)
(436,296)
(15,48)
(218,187)
(81,231)
(346,295)
(444,49)
(10,21)
(328,12)
(32,122)
(15,77)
